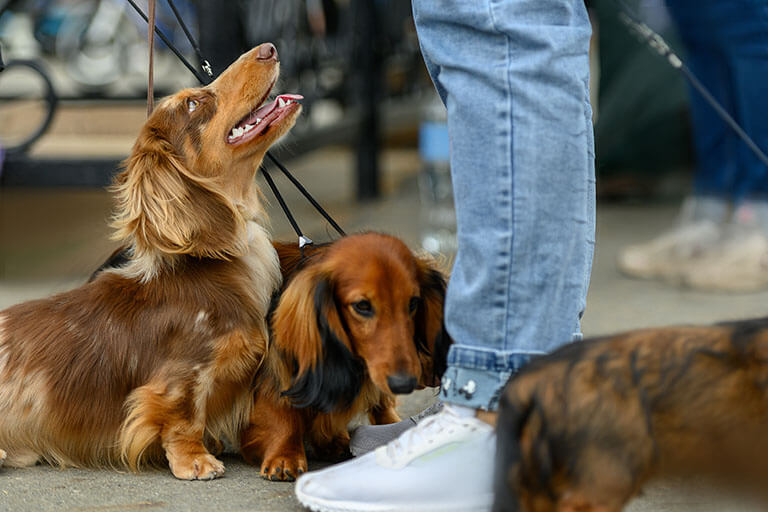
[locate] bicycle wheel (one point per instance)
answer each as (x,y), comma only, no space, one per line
(27,104)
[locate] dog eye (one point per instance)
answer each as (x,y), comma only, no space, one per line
(414,304)
(192,105)
(363,308)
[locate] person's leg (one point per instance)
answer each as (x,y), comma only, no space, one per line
(714,141)
(744,28)
(514,77)
(700,223)
(740,260)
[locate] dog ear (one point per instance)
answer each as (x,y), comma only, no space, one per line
(310,333)
(163,206)
(432,340)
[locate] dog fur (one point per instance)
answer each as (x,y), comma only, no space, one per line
(584,428)
(356,318)
(149,361)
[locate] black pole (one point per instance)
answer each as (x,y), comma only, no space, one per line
(367,89)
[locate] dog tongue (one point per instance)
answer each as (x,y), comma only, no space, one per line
(254,122)
(265,110)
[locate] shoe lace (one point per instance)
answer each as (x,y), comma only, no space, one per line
(425,432)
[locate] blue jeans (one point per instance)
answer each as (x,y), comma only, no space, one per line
(727,43)
(513,75)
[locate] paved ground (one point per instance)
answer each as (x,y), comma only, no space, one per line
(51,240)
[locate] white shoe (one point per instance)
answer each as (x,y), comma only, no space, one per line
(738,264)
(669,255)
(445,463)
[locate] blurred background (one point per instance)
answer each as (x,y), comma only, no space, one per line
(371,145)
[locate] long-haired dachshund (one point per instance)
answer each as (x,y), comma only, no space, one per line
(358,321)
(584,428)
(148,361)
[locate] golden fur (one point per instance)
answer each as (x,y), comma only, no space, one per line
(355,318)
(149,361)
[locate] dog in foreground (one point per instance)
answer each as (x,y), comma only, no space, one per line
(358,321)
(152,360)
(584,428)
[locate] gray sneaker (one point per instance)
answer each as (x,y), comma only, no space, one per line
(369,437)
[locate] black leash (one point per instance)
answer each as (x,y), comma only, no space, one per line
(203,63)
(660,46)
(306,194)
(303,240)
(201,78)
(208,78)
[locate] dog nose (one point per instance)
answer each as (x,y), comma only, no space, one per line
(267,51)
(401,383)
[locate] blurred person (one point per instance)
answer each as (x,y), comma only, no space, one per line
(720,240)
(513,75)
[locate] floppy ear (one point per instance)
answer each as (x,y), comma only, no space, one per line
(163,206)
(311,335)
(432,340)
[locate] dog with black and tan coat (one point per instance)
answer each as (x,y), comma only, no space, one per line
(584,428)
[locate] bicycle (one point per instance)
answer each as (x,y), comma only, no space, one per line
(28,103)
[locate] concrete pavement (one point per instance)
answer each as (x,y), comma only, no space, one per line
(51,240)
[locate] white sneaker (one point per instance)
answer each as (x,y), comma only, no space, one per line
(445,463)
(739,264)
(669,255)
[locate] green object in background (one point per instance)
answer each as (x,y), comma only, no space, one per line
(643,125)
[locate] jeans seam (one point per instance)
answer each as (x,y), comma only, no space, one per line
(505,260)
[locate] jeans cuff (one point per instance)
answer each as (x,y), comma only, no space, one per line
(475,378)
(473,388)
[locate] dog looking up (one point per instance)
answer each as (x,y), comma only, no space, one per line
(148,361)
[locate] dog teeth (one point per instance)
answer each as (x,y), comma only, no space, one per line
(258,120)
(237,131)
(249,127)
(280,102)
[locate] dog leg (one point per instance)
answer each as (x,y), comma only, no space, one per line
(187,456)
(284,460)
(337,449)
(168,412)
(19,458)
(383,415)
(275,437)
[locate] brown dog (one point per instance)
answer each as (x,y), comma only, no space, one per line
(358,320)
(148,361)
(584,428)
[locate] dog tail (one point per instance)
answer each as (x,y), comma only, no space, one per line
(515,410)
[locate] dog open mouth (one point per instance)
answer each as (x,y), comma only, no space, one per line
(259,120)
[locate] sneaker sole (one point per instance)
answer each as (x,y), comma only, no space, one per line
(320,505)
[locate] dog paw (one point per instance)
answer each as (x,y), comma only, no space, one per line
(203,466)
(283,468)
(3,455)
(335,450)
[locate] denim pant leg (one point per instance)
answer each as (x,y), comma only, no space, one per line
(514,77)
(744,24)
(714,141)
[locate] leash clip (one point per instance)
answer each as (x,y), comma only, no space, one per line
(304,241)
(207,68)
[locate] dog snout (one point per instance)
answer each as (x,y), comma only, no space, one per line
(401,383)
(267,51)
